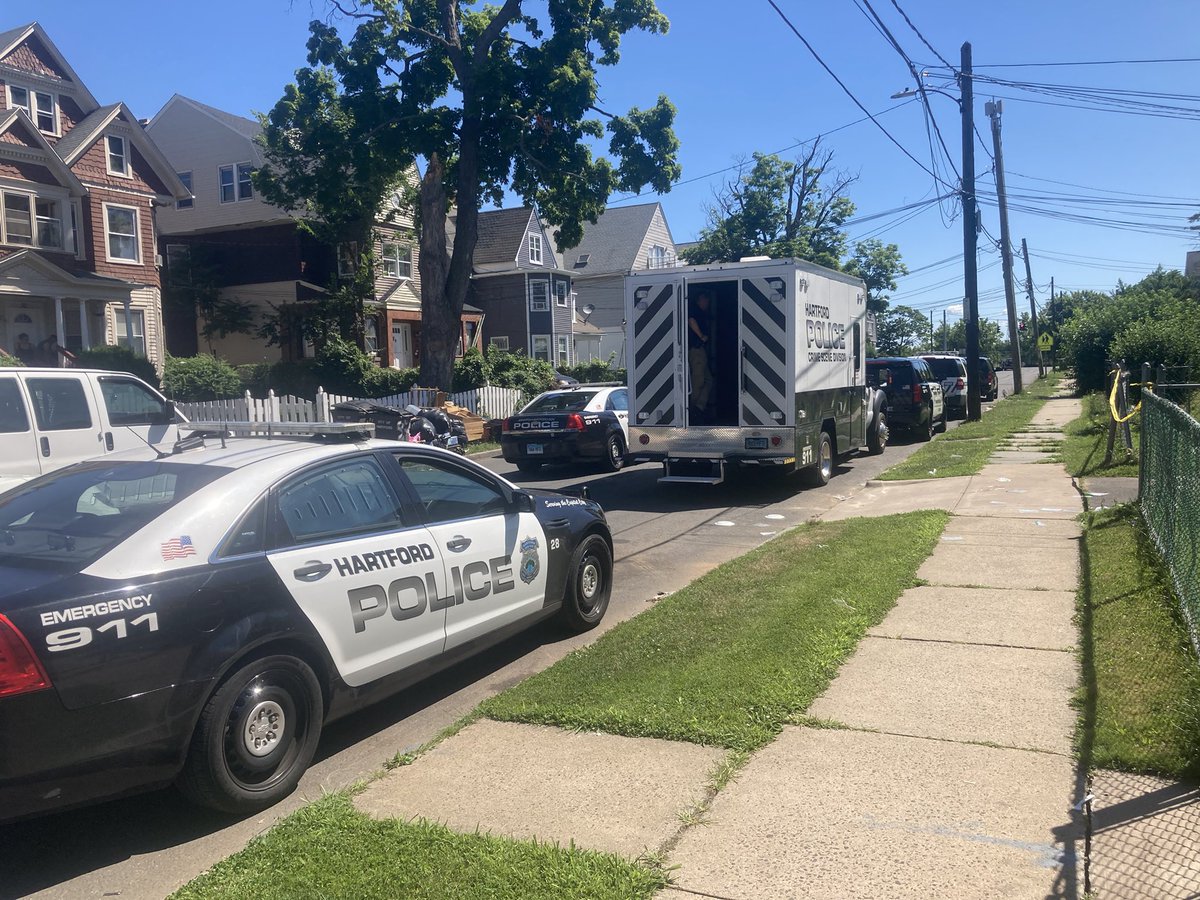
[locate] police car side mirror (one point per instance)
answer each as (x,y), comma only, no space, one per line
(169,414)
(521,502)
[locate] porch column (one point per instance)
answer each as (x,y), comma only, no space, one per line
(59,332)
(128,325)
(85,340)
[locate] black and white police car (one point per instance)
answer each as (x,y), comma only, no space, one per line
(198,617)
(584,422)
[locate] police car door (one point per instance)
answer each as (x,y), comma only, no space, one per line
(618,403)
(368,580)
(495,556)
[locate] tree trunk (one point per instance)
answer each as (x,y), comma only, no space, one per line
(439,319)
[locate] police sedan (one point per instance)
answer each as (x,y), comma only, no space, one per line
(585,422)
(197,617)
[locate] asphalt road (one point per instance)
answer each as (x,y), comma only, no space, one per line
(665,536)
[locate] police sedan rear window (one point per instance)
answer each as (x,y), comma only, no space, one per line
(572,401)
(67,519)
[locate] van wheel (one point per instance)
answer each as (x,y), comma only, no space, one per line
(589,584)
(614,453)
(819,475)
(256,736)
(878,438)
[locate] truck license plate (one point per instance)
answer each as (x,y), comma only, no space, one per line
(758,443)
(533,449)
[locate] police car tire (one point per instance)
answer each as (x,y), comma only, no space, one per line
(614,453)
(220,771)
(589,584)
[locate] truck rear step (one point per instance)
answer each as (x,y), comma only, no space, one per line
(693,471)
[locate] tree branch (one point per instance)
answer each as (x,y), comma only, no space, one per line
(507,13)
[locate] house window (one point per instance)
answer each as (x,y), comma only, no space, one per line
(347,259)
(136,342)
(539,295)
(225,181)
(40,106)
(118,156)
(500,343)
(245,189)
(49,223)
(121,231)
(397,260)
(535,249)
(656,257)
(18,219)
(583,260)
(541,347)
(560,293)
(563,357)
(186,178)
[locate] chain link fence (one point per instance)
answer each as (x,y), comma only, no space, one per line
(1169,493)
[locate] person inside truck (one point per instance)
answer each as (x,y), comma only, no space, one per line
(699,325)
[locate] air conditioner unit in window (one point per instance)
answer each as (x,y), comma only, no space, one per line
(158,260)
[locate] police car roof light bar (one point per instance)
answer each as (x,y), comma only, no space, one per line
(350,431)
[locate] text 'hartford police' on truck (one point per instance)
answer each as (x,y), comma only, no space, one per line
(756,363)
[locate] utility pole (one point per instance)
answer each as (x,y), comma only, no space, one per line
(931,330)
(1053,324)
(1032,309)
(944,330)
(970,231)
(993,110)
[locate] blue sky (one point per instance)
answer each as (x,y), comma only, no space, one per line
(743,82)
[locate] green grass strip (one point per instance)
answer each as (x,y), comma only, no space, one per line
(329,849)
(730,658)
(966,449)
(1140,704)
(1087,437)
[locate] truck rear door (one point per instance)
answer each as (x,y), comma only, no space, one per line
(766,394)
(656,374)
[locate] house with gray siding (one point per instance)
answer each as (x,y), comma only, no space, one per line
(624,239)
(517,283)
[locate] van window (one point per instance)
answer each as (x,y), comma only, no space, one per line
(13,415)
(59,403)
(131,403)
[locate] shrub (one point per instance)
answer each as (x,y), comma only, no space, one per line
(516,370)
(595,371)
(7,360)
(255,377)
(472,371)
(385,382)
(118,359)
(343,368)
(201,377)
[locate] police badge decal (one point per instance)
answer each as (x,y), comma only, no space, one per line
(530,565)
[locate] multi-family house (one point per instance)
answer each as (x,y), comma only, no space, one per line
(80,186)
(262,260)
(624,239)
(525,295)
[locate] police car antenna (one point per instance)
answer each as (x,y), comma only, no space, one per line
(161,454)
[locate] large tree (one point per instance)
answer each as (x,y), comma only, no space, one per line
(795,208)
(491,99)
(901,331)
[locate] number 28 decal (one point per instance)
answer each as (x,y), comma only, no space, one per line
(71,638)
(555,543)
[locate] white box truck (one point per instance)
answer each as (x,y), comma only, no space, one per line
(786,387)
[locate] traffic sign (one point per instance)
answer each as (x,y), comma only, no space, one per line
(1045,342)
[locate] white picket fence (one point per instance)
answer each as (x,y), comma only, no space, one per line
(486,402)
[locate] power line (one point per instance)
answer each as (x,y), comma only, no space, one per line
(1085,187)
(1090,62)
(917,32)
(850,93)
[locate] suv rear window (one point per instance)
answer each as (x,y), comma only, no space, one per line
(67,519)
(900,373)
(572,401)
(945,368)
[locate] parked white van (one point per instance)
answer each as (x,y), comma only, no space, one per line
(51,418)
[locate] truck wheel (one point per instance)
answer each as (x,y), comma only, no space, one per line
(528,467)
(614,453)
(589,584)
(878,438)
(819,475)
(256,736)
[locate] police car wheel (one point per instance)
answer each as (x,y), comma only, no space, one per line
(589,584)
(256,736)
(614,453)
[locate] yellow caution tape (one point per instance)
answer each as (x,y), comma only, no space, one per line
(1112,398)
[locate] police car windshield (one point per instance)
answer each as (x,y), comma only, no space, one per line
(572,401)
(67,519)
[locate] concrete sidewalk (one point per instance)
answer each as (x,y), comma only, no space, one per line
(946,772)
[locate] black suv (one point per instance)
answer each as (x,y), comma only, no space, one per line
(914,395)
(989,388)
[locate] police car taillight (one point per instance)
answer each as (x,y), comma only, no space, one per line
(575,422)
(507,425)
(958,385)
(20,671)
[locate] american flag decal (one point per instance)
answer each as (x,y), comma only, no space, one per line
(178,548)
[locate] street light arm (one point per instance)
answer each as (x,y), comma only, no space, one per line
(912,92)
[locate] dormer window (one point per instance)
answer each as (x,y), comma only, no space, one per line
(118,155)
(535,249)
(42,107)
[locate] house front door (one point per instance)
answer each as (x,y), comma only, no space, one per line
(402,345)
